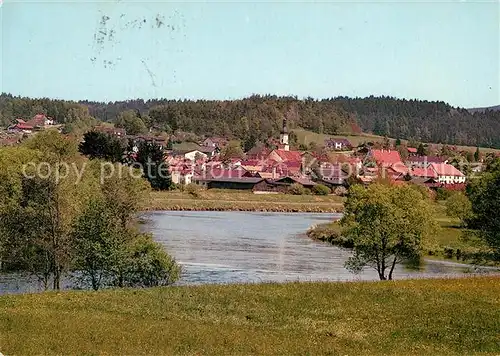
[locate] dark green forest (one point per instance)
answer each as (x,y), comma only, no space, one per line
(261,117)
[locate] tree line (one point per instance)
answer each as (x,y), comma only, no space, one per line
(65,217)
(260,117)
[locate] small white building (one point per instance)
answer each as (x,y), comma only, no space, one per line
(191,155)
(182,177)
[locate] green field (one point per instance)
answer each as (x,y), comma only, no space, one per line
(225,199)
(412,317)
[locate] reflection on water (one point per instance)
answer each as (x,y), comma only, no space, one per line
(228,247)
(242,247)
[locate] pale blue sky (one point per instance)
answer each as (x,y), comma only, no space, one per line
(216,50)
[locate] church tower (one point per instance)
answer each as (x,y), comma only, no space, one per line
(284,137)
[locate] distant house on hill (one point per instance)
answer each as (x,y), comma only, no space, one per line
(338,144)
(38,122)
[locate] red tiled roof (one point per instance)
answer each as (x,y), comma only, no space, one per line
(424,172)
(444,169)
(399,167)
(412,150)
(386,157)
(23,126)
(289,155)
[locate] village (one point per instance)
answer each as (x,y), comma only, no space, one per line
(275,166)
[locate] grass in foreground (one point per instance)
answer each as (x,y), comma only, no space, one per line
(445,317)
(217,199)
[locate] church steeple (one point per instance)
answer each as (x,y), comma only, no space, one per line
(284,136)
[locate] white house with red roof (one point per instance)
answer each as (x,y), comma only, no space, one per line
(448,174)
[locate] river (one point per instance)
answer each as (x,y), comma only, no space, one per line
(243,247)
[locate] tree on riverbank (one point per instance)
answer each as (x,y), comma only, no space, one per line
(58,214)
(484,195)
(386,225)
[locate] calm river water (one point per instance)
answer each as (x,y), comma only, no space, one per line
(241,247)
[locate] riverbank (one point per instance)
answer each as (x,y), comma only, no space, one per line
(445,317)
(234,200)
(448,243)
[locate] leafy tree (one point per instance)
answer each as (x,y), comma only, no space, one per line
(155,169)
(398,142)
(36,223)
(484,195)
(459,206)
(321,189)
(387,143)
(386,225)
(96,244)
(296,189)
(249,143)
(100,145)
(231,150)
(421,151)
(131,122)
(148,264)
(477,155)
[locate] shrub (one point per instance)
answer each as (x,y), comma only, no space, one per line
(193,190)
(443,194)
(148,264)
(330,233)
(321,189)
(341,191)
(296,189)
(459,206)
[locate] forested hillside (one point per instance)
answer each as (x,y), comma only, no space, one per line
(261,116)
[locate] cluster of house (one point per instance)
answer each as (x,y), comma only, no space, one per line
(269,170)
(273,170)
(15,133)
(37,123)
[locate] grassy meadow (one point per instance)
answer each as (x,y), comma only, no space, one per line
(226,199)
(410,317)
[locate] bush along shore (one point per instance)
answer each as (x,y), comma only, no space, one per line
(223,200)
(256,207)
